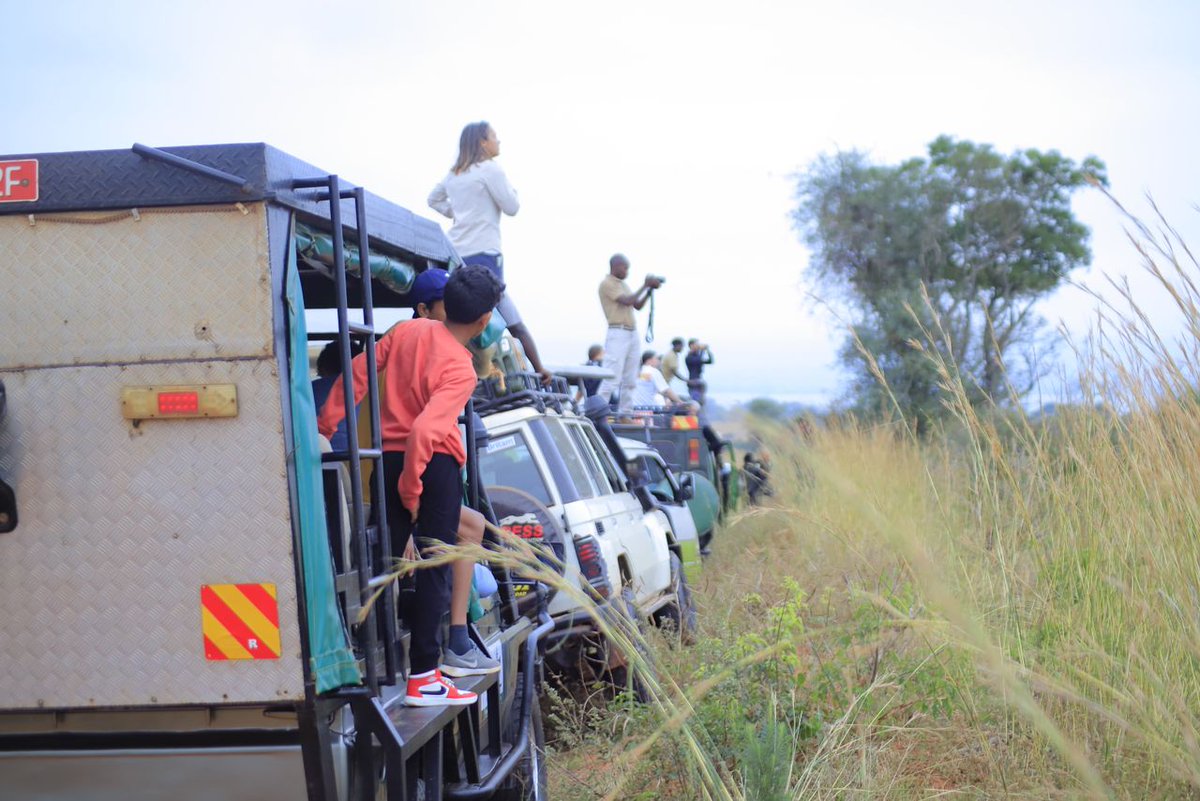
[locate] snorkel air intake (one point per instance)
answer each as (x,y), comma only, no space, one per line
(596,409)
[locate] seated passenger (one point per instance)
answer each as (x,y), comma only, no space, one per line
(329,367)
(651,388)
(428,381)
(591,386)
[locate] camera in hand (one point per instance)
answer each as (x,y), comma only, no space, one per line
(658,279)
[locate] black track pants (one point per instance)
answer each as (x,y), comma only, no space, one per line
(441,501)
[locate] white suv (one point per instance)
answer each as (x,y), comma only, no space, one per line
(613,542)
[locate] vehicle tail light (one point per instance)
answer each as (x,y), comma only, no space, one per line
(591,565)
(693,452)
(179,401)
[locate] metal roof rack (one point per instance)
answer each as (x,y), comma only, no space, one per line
(656,417)
(522,390)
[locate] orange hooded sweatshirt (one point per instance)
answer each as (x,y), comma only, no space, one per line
(428,378)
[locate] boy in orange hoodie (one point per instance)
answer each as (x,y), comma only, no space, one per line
(428,380)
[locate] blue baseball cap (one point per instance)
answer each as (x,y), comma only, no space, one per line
(428,287)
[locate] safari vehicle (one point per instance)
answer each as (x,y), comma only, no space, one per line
(186,597)
(679,437)
(617,544)
(646,469)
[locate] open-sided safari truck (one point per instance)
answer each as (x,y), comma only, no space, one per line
(180,577)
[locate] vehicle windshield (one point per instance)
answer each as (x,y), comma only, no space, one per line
(507,462)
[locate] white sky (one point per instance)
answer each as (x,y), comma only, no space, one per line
(666,130)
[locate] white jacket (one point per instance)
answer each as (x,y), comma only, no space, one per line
(474,200)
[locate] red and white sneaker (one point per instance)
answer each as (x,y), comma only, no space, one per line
(431,689)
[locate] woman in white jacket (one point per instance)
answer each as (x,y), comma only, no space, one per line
(473,194)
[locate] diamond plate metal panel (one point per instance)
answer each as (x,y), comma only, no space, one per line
(170,284)
(120,527)
(122,179)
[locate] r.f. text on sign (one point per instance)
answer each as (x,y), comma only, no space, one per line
(18,181)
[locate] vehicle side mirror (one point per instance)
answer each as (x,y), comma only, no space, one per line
(687,487)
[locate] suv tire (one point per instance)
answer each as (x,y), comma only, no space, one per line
(681,613)
(623,677)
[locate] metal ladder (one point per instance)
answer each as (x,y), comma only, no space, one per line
(409,747)
(376,637)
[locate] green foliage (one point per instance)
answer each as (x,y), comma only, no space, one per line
(766,408)
(768,760)
(1006,610)
(962,243)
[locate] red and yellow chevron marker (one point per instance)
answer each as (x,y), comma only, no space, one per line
(240,621)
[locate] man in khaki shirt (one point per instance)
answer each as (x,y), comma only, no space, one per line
(621,352)
(670,362)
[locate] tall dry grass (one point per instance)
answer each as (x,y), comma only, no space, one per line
(1010,608)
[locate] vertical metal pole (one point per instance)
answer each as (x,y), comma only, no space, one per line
(475,496)
(472,456)
(366,632)
(379,490)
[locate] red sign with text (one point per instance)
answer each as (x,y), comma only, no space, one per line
(18,181)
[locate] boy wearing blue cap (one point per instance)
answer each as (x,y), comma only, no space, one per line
(426,294)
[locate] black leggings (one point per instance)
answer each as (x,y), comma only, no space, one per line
(441,502)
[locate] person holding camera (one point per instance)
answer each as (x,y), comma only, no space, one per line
(698,356)
(621,352)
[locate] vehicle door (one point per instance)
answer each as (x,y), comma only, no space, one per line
(668,491)
(644,535)
(580,505)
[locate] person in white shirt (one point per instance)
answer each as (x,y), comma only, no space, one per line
(651,388)
(473,194)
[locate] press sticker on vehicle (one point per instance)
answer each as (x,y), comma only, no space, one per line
(501,444)
(19,181)
(240,621)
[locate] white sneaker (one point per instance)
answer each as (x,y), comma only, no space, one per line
(430,689)
(473,663)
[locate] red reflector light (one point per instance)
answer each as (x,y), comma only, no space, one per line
(178,402)
(694,452)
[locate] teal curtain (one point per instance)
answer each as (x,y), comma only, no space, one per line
(333,662)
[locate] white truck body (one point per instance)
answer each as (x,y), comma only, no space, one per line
(123,523)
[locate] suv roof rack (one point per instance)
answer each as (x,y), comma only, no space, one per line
(521,390)
(679,416)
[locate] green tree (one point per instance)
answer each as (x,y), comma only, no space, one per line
(983,236)
(766,408)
